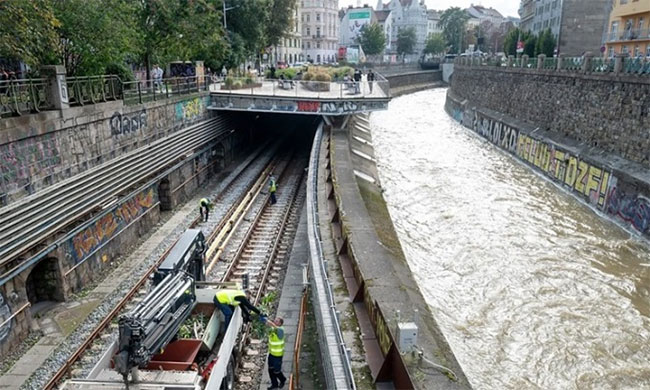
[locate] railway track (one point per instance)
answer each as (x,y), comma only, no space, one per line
(26,224)
(261,257)
(236,192)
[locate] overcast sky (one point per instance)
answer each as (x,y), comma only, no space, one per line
(506,7)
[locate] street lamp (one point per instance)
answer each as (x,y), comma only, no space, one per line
(226,9)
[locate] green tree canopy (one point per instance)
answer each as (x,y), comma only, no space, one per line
(453,22)
(406,40)
(372,39)
(545,43)
(435,44)
(28,31)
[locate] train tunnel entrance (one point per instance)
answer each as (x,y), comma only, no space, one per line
(43,283)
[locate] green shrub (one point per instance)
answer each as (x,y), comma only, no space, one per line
(248,79)
(322,77)
(237,84)
(307,76)
(289,73)
(229,81)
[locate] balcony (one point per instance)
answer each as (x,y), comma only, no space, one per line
(628,35)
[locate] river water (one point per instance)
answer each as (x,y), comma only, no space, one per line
(532,289)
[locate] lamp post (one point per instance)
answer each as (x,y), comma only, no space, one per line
(226,9)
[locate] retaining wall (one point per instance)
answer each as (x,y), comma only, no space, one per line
(608,111)
(614,186)
(410,82)
(38,150)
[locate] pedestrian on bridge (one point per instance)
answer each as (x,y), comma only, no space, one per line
(273,186)
(227,300)
(205,205)
(371,78)
(276,351)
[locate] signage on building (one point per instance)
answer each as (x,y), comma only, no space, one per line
(520,46)
(356,21)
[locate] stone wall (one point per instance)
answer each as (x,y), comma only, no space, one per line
(582,26)
(610,112)
(42,149)
(614,186)
(413,81)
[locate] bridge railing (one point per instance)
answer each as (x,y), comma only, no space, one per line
(348,89)
(23,96)
(621,64)
(27,96)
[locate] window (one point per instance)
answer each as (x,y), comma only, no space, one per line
(318,45)
(647,51)
(307,17)
(555,4)
(317,32)
(637,51)
(308,31)
(624,49)
(623,1)
(308,45)
(318,16)
(641,23)
(547,8)
(318,58)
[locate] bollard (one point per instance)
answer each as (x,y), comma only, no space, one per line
(540,61)
(510,60)
(524,61)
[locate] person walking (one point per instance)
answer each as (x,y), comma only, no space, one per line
(157,75)
(371,79)
(276,351)
(273,186)
(205,205)
(227,300)
(357,81)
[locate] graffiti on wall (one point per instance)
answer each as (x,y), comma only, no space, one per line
(85,242)
(595,184)
(5,312)
(20,160)
(301,106)
(189,111)
(126,124)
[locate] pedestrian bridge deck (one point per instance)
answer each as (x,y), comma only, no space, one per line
(302,97)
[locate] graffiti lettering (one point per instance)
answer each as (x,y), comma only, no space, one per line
(308,106)
(123,124)
(22,159)
(632,209)
(88,240)
(192,110)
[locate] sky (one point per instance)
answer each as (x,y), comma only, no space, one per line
(506,7)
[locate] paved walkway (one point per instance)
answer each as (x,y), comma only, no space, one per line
(289,305)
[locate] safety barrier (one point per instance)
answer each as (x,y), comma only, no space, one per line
(335,356)
(294,378)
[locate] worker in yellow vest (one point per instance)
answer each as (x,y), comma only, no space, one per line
(273,186)
(205,205)
(226,300)
(276,351)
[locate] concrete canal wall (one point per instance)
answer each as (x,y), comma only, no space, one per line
(585,133)
(413,81)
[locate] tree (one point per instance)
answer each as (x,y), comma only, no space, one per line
(529,45)
(406,40)
(278,20)
(372,39)
(92,35)
(435,44)
(28,31)
(545,43)
(453,22)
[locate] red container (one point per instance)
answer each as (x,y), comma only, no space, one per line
(179,355)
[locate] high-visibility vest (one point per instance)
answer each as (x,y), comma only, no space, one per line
(276,344)
(273,186)
(227,297)
(204,202)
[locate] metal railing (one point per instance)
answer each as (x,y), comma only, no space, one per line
(628,35)
(294,377)
(23,96)
(621,64)
(143,91)
(336,363)
(341,89)
(93,89)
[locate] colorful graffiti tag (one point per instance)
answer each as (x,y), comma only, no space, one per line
(594,184)
(84,243)
(189,111)
(20,160)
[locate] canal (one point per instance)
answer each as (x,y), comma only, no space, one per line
(532,289)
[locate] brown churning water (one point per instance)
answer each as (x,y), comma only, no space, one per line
(532,289)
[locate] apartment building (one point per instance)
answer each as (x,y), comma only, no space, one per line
(319,29)
(628,29)
(289,50)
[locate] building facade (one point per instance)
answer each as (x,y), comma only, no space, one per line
(385,21)
(582,26)
(628,29)
(353,22)
(289,50)
(433,22)
(319,29)
(539,15)
(405,14)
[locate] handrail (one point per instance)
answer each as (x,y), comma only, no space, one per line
(294,378)
(336,358)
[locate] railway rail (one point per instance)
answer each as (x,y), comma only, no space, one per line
(235,193)
(25,224)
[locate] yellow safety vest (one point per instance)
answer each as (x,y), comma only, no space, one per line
(227,297)
(204,202)
(273,186)
(276,344)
